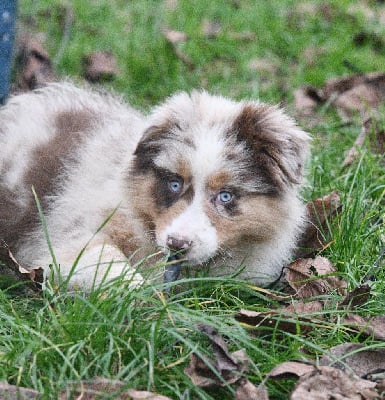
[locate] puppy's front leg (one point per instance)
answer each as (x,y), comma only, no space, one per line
(99,264)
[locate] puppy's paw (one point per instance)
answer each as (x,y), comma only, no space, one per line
(103,263)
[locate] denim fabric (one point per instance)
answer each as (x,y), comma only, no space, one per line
(7,33)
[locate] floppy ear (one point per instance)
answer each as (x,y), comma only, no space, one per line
(278,145)
(151,143)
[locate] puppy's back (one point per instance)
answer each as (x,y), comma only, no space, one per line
(53,139)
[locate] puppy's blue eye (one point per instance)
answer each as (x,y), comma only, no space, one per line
(225,196)
(175,186)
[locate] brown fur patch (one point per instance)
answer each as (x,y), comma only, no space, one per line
(46,164)
(48,160)
(117,229)
(218,181)
(259,220)
(255,126)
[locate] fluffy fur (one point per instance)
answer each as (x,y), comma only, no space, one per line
(202,174)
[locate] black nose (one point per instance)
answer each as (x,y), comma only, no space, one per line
(178,244)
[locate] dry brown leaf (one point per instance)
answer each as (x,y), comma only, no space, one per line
(376,136)
(11,392)
(9,267)
(174,37)
(304,103)
(223,358)
(247,391)
(320,213)
(359,93)
(97,387)
(314,277)
(358,296)
(372,326)
(355,357)
(211,29)
(299,307)
(275,320)
(291,369)
(34,63)
(225,368)
(327,383)
(100,66)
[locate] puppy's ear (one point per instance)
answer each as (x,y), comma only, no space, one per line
(151,144)
(278,146)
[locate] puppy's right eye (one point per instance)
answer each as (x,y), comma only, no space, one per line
(175,186)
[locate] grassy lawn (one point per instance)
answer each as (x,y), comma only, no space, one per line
(260,49)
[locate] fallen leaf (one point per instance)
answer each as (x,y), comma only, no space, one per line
(370,326)
(355,357)
(327,383)
(173,36)
(299,307)
(10,268)
(320,214)
(359,93)
(33,62)
(376,136)
(14,392)
(314,277)
(223,358)
(225,368)
(275,320)
(100,66)
(304,103)
(358,296)
(291,369)
(211,29)
(99,387)
(248,391)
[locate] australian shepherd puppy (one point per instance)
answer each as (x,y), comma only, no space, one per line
(203,176)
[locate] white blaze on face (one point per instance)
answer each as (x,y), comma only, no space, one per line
(193,224)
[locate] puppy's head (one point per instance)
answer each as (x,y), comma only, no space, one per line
(210,173)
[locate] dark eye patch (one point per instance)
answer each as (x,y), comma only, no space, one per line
(169,187)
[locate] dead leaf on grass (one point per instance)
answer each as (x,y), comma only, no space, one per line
(327,383)
(275,320)
(211,29)
(14,392)
(99,387)
(11,268)
(100,66)
(314,277)
(175,38)
(248,391)
(359,93)
(356,297)
(224,369)
(376,136)
(291,369)
(301,308)
(320,213)
(355,357)
(33,62)
(370,326)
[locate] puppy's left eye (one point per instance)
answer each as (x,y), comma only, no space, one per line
(175,186)
(224,197)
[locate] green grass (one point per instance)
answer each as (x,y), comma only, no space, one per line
(139,336)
